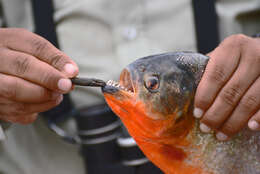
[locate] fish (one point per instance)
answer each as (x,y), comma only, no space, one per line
(154,99)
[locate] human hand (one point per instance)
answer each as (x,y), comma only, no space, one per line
(228,95)
(33,75)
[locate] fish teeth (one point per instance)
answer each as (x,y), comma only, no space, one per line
(112,83)
(117,85)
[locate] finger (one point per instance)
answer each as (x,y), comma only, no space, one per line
(222,64)
(20,90)
(246,108)
(28,67)
(254,122)
(16,109)
(25,119)
(30,43)
(230,94)
(29,119)
(224,61)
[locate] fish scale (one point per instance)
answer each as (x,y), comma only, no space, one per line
(217,154)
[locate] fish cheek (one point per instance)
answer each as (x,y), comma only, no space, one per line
(172,95)
(160,104)
(169,99)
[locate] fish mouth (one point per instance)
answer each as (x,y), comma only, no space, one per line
(125,84)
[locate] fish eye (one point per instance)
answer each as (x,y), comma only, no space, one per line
(152,83)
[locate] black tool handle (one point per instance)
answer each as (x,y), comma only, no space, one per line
(88,82)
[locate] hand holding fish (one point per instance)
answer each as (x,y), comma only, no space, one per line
(33,75)
(228,95)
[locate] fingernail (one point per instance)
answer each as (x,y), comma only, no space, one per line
(59,99)
(253,125)
(54,95)
(64,85)
(221,136)
(204,128)
(70,69)
(197,112)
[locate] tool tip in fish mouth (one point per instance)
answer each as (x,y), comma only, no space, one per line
(109,89)
(113,87)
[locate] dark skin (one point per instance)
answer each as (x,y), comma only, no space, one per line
(33,74)
(228,96)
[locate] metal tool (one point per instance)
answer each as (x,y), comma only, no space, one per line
(88,82)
